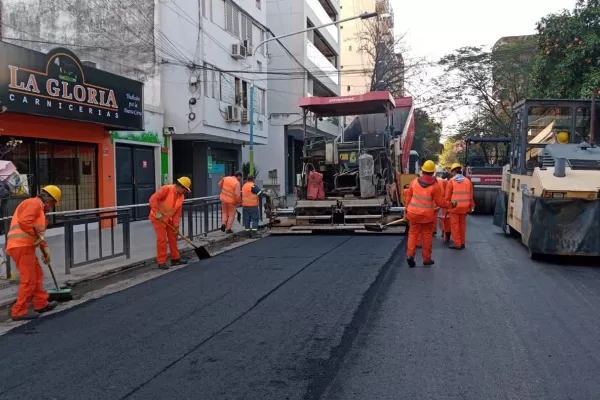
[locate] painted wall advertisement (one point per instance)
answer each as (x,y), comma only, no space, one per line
(58,85)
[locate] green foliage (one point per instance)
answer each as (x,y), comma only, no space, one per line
(450,153)
(246,170)
(568,63)
(427,136)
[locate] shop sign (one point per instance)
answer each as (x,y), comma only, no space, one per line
(58,85)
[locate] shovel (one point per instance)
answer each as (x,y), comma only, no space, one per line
(381,228)
(201,251)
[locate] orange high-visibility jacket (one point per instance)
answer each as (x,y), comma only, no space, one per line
(443,213)
(462,193)
(230,190)
(28,220)
(168,202)
(249,199)
(421,200)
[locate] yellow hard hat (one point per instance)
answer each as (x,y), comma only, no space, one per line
(428,166)
(53,191)
(454,166)
(562,137)
(185,182)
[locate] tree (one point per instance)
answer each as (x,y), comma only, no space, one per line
(486,83)
(568,63)
(384,51)
(427,136)
(450,153)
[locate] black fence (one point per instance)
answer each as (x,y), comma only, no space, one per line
(106,233)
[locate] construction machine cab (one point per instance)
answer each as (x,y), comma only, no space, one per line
(551,187)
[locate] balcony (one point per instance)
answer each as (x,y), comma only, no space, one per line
(325,17)
(316,57)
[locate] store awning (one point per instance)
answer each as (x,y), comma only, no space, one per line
(368,103)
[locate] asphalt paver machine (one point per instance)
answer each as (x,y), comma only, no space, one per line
(361,167)
(551,190)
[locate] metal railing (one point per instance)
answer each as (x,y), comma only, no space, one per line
(199,217)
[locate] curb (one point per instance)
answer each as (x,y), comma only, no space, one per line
(209,243)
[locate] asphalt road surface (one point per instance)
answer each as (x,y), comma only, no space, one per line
(485,323)
(271,320)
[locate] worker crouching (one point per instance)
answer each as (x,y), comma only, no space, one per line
(251,194)
(460,190)
(27,231)
(165,214)
(422,197)
(230,199)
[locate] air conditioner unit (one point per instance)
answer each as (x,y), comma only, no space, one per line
(245,119)
(233,114)
(238,51)
(248,47)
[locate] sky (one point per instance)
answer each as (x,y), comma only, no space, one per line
(433,28)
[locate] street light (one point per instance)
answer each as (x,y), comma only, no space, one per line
(251,113)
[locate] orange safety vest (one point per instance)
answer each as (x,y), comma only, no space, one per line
(443,213)
(462,193)
(421,202)
(169,206)
(228,190)
(16,236)
(249,199)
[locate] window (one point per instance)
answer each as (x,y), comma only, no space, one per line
(232,19)
(258,4)
(259,66)
(262,38)
(247,29)
(211,82)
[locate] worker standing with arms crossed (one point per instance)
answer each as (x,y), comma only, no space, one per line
(231,196)
(251,194)
(422,197)
(460,190)
(27,231)
(165,208)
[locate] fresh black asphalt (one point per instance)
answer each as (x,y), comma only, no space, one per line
(485,323)
(270,320)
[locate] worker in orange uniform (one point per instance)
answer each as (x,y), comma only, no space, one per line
(231,197)
(422,196)
(444,219)
(27,231)
(165,208)
(250,205)
(460,190)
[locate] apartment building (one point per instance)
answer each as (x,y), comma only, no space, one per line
(357,65)
(301,65)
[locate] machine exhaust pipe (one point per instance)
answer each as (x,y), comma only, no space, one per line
(560,166)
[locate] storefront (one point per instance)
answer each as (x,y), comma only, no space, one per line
(62,112)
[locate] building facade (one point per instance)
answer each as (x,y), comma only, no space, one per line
(301,65)
(354,57)
(59,113)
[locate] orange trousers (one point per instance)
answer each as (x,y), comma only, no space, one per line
(32,281)
(458,228)
(444,224)
(162,235)
(420,232)
(228,212)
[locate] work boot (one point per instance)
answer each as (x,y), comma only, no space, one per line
(228,231)
(223,228)
(462,247)
(447,237)
(163,266)
(27,317)
(179,261)
(51,306)
(427,263)
(411,262)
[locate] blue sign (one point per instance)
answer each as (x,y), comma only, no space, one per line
(216,169)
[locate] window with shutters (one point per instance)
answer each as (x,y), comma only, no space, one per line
(246,28)
(232,19)
(236,22)
(262,38)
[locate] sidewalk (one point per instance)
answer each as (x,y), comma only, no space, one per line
(143,251)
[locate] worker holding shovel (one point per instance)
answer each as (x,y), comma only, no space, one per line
(165,214)
(26,233)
